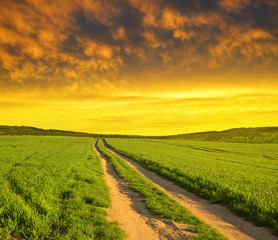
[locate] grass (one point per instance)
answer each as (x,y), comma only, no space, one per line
(242,176)
(52,188)
(158,202)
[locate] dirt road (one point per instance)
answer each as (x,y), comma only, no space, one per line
(129,210)
(221,218)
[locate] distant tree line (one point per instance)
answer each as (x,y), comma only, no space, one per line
(242,135)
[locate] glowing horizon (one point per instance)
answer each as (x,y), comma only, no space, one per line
(149,67)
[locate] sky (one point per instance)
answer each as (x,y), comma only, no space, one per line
(148,67)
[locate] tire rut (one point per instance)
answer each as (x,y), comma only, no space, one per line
(128,208)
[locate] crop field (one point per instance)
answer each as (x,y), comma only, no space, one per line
(159,203)
(52,188)
(242,176)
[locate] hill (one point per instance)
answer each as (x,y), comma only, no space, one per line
(25,130)
(244,135)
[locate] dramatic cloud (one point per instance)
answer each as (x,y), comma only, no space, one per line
(68,49)
(45,43)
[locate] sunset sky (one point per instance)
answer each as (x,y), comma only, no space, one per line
(149,67)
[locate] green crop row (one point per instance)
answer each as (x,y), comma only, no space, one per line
(52,188)
(157,201)
(242,176)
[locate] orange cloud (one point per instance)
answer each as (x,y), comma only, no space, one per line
(183,35)
(152,40)
(33,35)
(137,51)
(234,5)
(246,41)
(150,9)
(119,34)
(172,19)
(67,42)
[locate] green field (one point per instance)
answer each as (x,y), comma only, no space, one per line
(239,175)
(52,188)
(158,202)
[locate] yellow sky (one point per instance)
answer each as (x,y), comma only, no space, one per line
(147,67)
(153,113)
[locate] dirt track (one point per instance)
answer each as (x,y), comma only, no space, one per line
(129,210)
(230,225)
